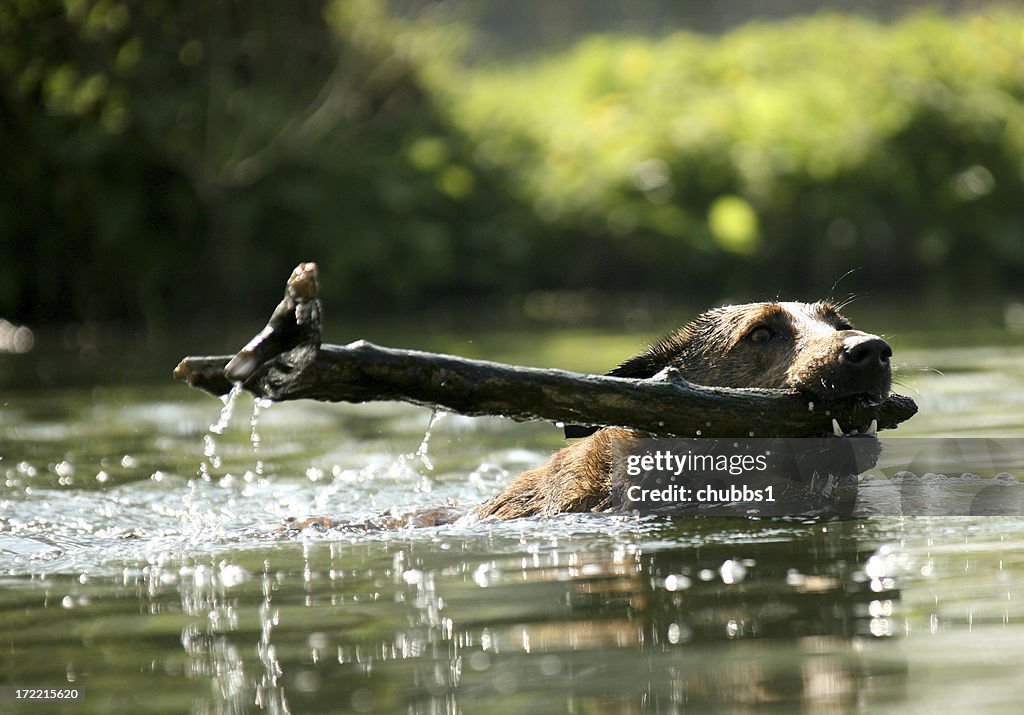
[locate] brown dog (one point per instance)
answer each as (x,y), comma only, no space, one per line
(807,346)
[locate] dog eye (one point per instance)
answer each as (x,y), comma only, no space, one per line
(843,325)
(760,334)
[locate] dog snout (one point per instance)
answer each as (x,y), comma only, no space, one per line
(866,352)
(865,364)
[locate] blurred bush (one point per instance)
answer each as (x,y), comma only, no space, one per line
(796,150)
(164,162)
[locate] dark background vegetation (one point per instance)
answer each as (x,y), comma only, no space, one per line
(167,163)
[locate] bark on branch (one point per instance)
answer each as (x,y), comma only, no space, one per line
(287,362)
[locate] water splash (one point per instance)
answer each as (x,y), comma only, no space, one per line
(254,436)
(404,468)
(212,460)
(422,452)
(197,519)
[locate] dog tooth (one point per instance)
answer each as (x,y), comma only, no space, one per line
(836,429)
(872,428)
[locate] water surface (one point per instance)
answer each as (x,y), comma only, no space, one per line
(142,558)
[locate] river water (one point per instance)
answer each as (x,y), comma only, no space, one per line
(143,559)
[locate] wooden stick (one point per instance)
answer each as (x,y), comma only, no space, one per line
(286,362)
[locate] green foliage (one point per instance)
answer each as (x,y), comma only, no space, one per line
(156,155)
(159,155)
(803,147)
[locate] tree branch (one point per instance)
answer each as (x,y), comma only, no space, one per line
(286,362)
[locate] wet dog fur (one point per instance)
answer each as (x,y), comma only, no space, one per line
(807,346)
(811,347)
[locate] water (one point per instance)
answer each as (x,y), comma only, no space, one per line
(148,565)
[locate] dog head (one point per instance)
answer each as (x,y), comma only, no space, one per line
(807,346)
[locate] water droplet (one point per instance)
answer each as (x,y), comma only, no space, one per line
(212,460)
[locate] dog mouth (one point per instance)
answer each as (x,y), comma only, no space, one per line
(869,430)
(861,430)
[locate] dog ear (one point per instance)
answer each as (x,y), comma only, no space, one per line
(646,364)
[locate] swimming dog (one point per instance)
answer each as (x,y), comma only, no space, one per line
(810,347)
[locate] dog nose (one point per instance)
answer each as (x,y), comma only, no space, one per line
(866,351)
